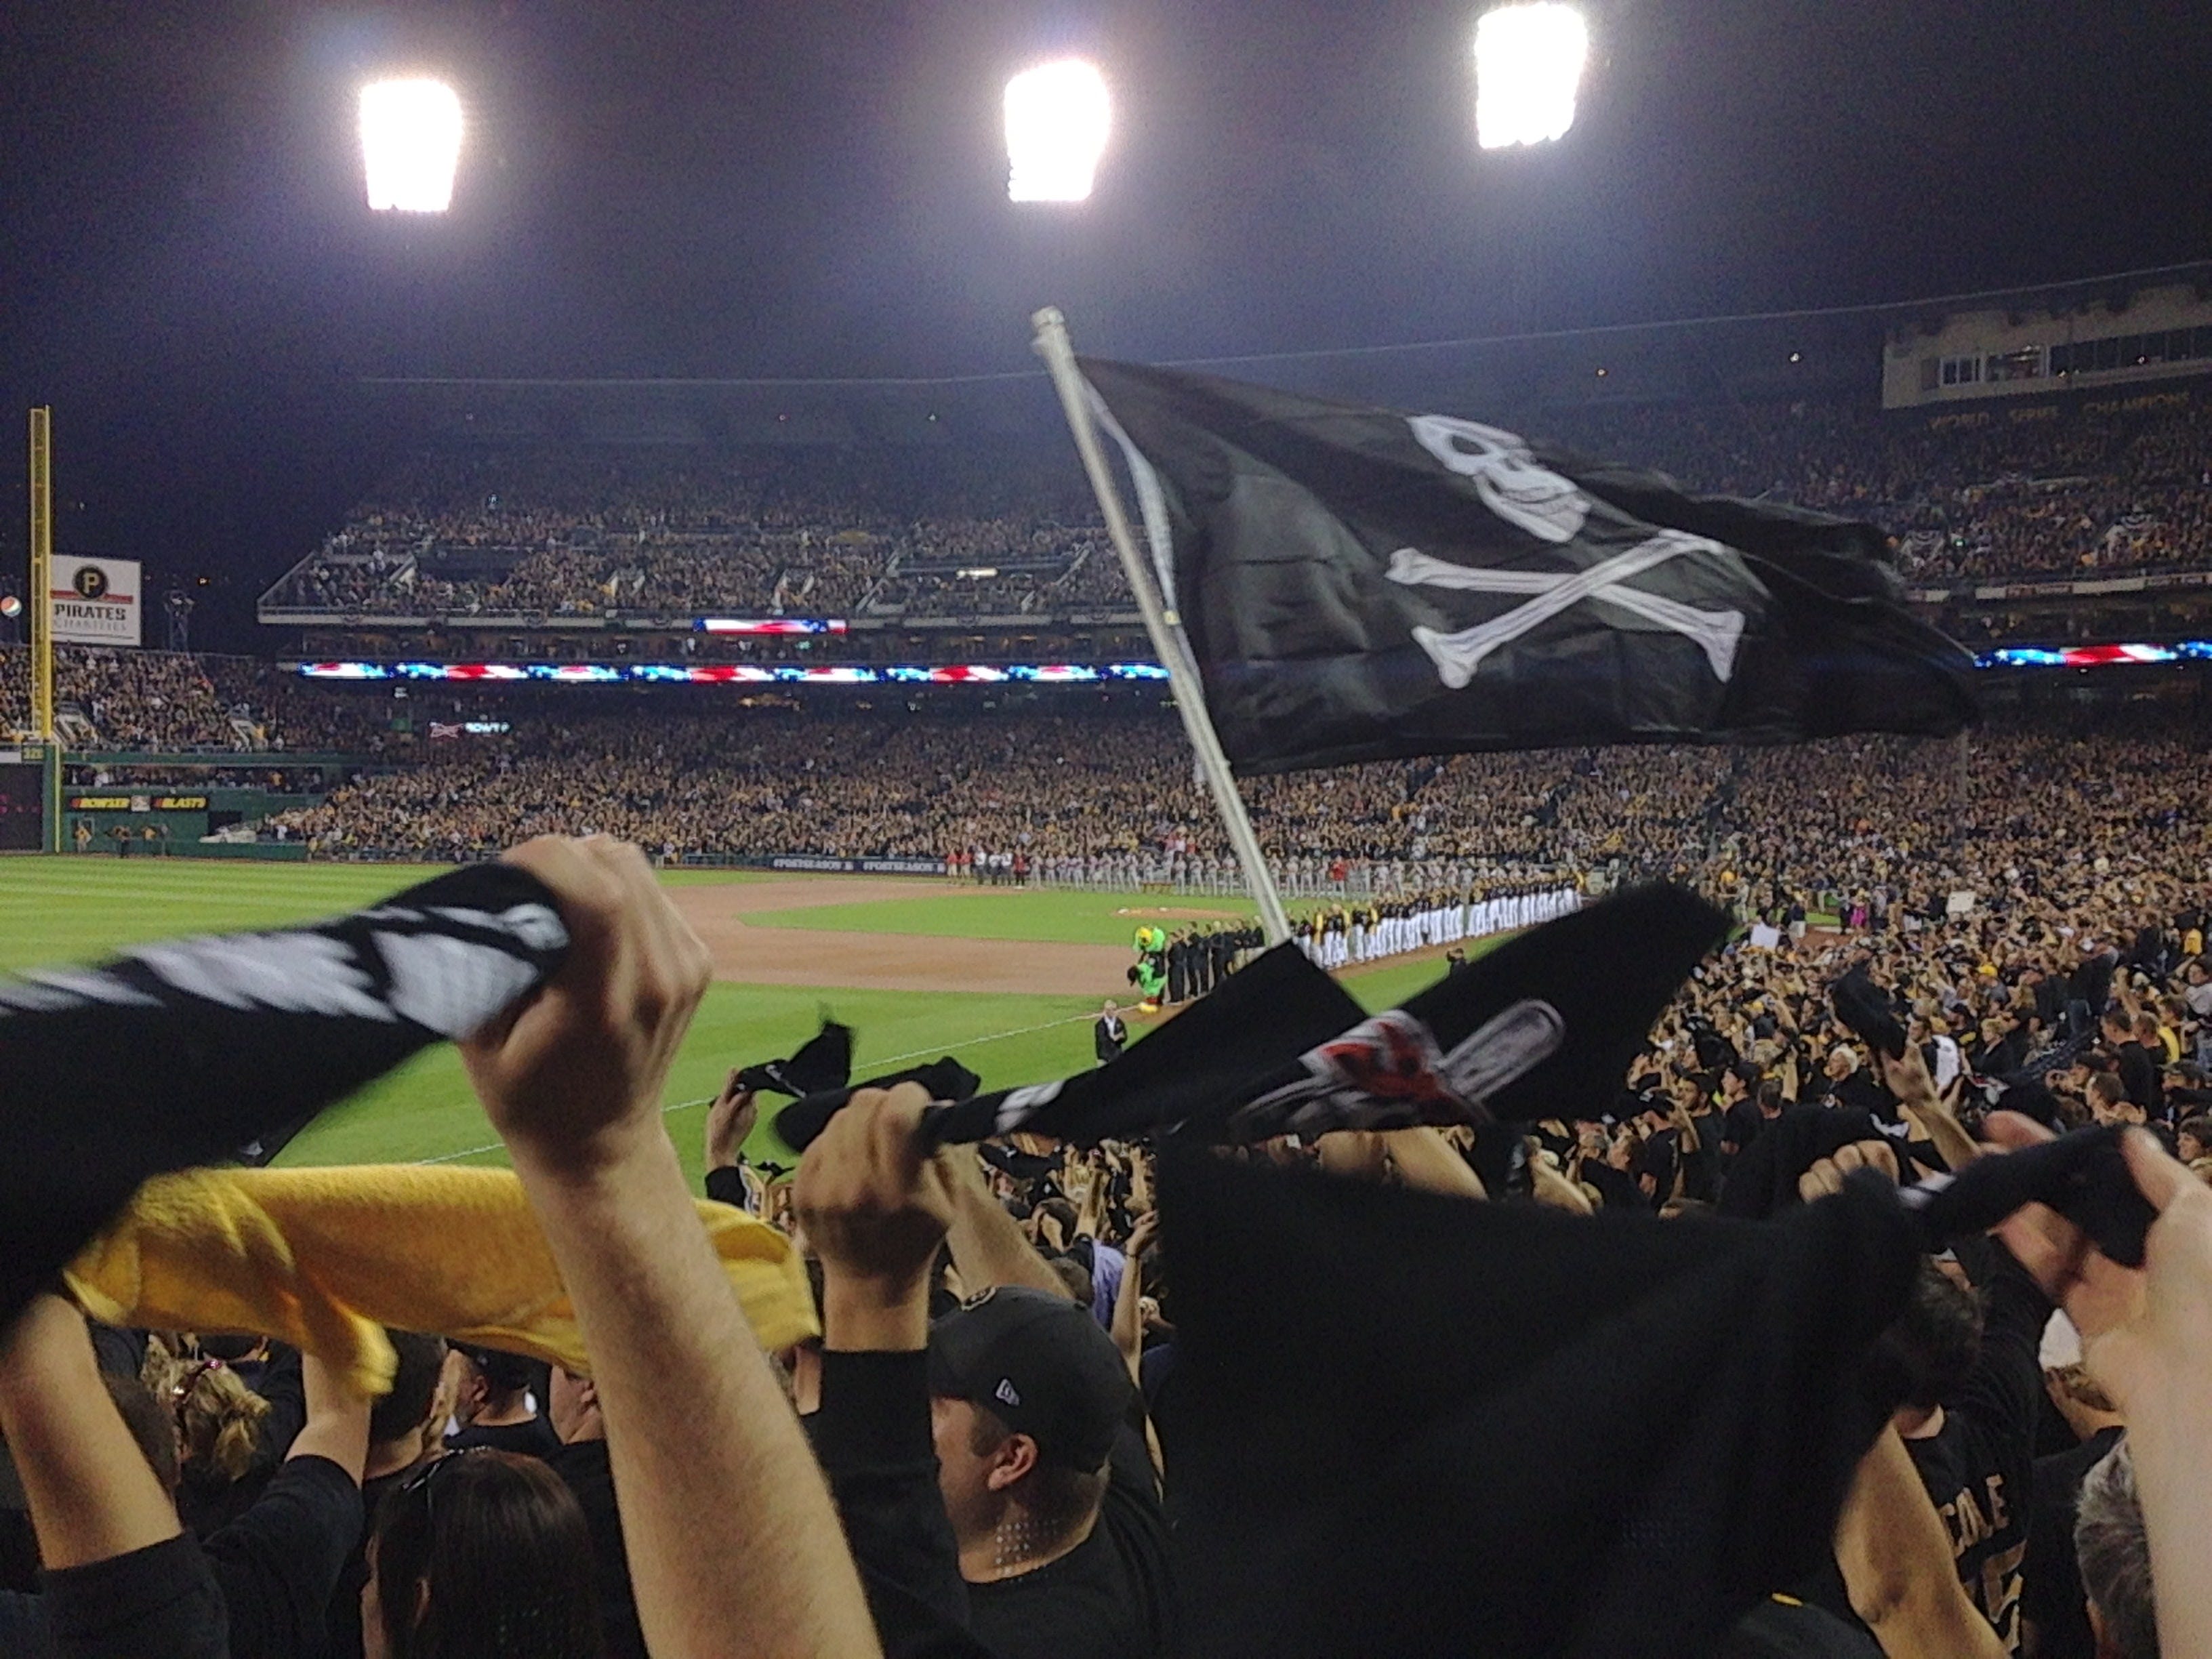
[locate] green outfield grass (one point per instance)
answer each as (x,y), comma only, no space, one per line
(70,909)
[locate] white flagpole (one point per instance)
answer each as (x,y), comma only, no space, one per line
(1166,631)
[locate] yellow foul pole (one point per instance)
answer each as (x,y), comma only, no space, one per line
(42,585)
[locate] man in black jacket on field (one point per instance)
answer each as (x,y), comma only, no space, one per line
(1110,1033)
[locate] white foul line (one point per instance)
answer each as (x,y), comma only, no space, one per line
(888,1061)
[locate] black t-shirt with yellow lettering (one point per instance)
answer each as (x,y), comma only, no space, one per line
(1980,1466)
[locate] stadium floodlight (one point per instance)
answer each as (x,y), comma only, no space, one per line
(1527,62)
(1058,116)
(410,144)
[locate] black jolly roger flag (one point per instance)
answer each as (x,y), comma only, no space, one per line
(1357,584)
(199,1051)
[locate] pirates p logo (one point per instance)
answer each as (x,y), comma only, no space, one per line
(90,582)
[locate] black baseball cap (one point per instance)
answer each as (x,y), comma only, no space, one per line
(505,1371)
(1040,1364)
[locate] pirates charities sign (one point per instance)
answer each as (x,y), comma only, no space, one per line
(96,601)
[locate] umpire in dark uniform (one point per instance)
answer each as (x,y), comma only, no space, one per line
(1179,967)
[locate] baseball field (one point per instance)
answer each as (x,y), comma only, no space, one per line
(1007,980)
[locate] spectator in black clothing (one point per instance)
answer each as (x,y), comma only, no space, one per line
(1056,1534)
(403,1430)
(1701,1147)
(273,1567)
(2108,1099)
(492,1402)
(23,1630)
(1748,1118)
(280,1561)
(2054,1613)
(1658,1160)
(231,1437)
(1846,1082)
(581,1463)
(123,1578)
(481,1554)
(1970,1383)
(2138,1071)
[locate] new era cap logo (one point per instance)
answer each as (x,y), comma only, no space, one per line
(1005,1392)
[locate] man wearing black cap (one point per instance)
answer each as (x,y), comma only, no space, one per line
(493,1406)
(1053,1507)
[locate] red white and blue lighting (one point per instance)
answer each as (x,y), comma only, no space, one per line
(2094,656)
(769,625)
(1059,673)
(733,673)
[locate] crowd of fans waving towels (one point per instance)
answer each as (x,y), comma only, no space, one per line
(978,1455)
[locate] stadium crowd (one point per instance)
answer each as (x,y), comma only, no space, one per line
(1109,801)
(2118,484)
(572,533)
(1003,1481)
(173,702)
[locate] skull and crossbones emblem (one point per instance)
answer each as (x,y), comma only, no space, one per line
(1515,486)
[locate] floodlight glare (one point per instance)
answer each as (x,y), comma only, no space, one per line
(1057,119)
(1528,61)
(410,143)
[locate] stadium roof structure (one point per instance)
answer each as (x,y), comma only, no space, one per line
(1829,353)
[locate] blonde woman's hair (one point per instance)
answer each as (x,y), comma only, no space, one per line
(218,1417)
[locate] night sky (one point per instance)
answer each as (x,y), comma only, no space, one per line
(189,273)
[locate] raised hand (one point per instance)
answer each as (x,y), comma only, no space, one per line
(729,1121)
(572,1077)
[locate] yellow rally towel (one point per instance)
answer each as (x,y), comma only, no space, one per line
(325,1258)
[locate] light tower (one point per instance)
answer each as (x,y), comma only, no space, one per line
(410,144)
(1058,117)
(1527,66)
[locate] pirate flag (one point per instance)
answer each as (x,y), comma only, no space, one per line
(1360,585)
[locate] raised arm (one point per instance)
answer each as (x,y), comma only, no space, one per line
(732,1544)
(338,1420)
(987,1246)
(122,1575)
(1895,1555)
(1424,1159)
(91,1493)
(1129,1296)
(1915,1089)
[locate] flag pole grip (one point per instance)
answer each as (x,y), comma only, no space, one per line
(1058,351)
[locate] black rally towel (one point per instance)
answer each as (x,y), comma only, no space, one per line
(1869,1011)
(1253,1022)
(1414,1426)
(823,1062)
(1546,1023)
(2083,1176)
(184,1052)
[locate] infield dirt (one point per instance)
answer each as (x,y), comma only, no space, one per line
(883,962)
